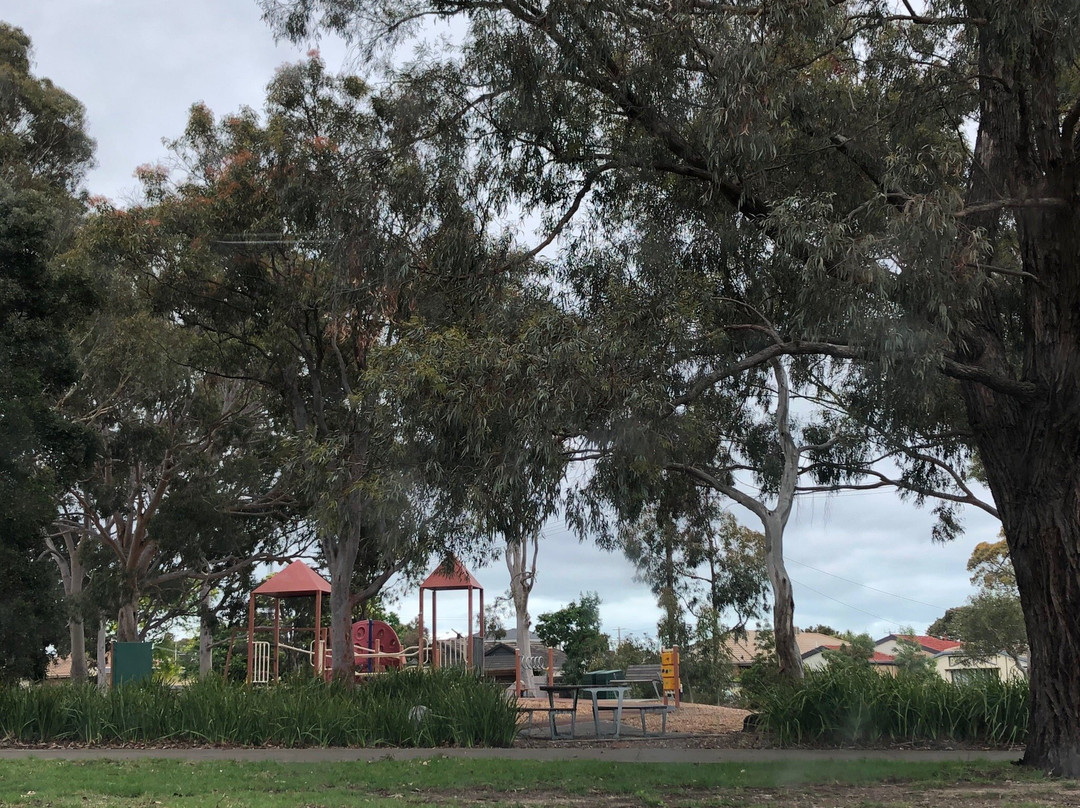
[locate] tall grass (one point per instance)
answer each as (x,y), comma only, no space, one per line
(858,705)
(460,710)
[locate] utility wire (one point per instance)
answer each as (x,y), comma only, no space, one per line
(866,586)
(848,605)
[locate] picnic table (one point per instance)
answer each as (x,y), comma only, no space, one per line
(594,693)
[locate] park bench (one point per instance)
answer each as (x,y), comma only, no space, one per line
(649,674)
(551,713)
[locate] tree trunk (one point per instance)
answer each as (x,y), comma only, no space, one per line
(127,624)
(76,629)
(206,632)
(1032,460)
(77,632)
(102,656)
(524,644)
(522,578)
(340,555)
(1029,440)
(787,649)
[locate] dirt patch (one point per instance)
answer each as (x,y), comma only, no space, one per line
(691,719)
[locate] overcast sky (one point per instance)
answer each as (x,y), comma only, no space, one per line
(860,561)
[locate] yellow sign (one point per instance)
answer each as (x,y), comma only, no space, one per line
(667,659)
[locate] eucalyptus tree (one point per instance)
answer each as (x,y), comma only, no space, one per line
(321,252)
(670,299)
(699,562)
(185,484)
(44,153)
(837,132)
(506,407)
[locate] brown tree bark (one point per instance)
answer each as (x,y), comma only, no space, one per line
(1029,436)
(341,552)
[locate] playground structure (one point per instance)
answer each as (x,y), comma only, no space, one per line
(376,646)
(450,653)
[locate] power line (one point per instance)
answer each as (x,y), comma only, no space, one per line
(866,586)
(848,605)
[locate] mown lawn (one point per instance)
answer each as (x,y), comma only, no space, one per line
(444,781)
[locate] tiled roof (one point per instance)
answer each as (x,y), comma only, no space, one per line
(932,644)
(877,658)
(743,651)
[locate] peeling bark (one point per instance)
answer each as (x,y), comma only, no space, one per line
(522,578)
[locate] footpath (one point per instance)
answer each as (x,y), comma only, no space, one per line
(613,754)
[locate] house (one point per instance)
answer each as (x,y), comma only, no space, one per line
(815,659)
(510,638)
(931,646)
(742,651)
(59,669)
(953,666)
(499,660)
(949,660)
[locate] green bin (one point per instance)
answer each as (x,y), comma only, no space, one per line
(132,662)
(602,678)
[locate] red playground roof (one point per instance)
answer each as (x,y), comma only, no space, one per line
(457,578)
(296,580)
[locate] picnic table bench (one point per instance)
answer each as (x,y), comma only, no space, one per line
(551,713)
(642,709)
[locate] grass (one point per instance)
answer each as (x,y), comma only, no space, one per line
(232,784)
(460,710)
(857,706)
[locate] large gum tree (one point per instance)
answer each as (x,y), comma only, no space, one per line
(316,249)
(915,163)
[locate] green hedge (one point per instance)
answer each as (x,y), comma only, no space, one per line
(461,710)
(857,705)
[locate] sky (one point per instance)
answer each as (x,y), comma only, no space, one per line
(860,561)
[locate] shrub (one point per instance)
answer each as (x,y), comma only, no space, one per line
(460,709)
(857,705)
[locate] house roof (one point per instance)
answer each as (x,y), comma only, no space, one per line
(877,658)
(500,651)
(931,644)
(296,580)
(511,636)
(743,651)
(457,577)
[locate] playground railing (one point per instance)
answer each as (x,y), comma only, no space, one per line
(260,670)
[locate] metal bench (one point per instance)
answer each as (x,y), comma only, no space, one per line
(649,674)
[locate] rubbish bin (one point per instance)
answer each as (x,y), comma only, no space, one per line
(132,662)
(602,678)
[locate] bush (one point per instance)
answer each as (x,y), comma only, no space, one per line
(856,705)
(461,710)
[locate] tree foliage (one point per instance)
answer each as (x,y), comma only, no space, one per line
(575,629)
(826,143)
(44,152)
(329,258)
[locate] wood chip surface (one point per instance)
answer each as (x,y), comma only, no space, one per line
(692,719)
